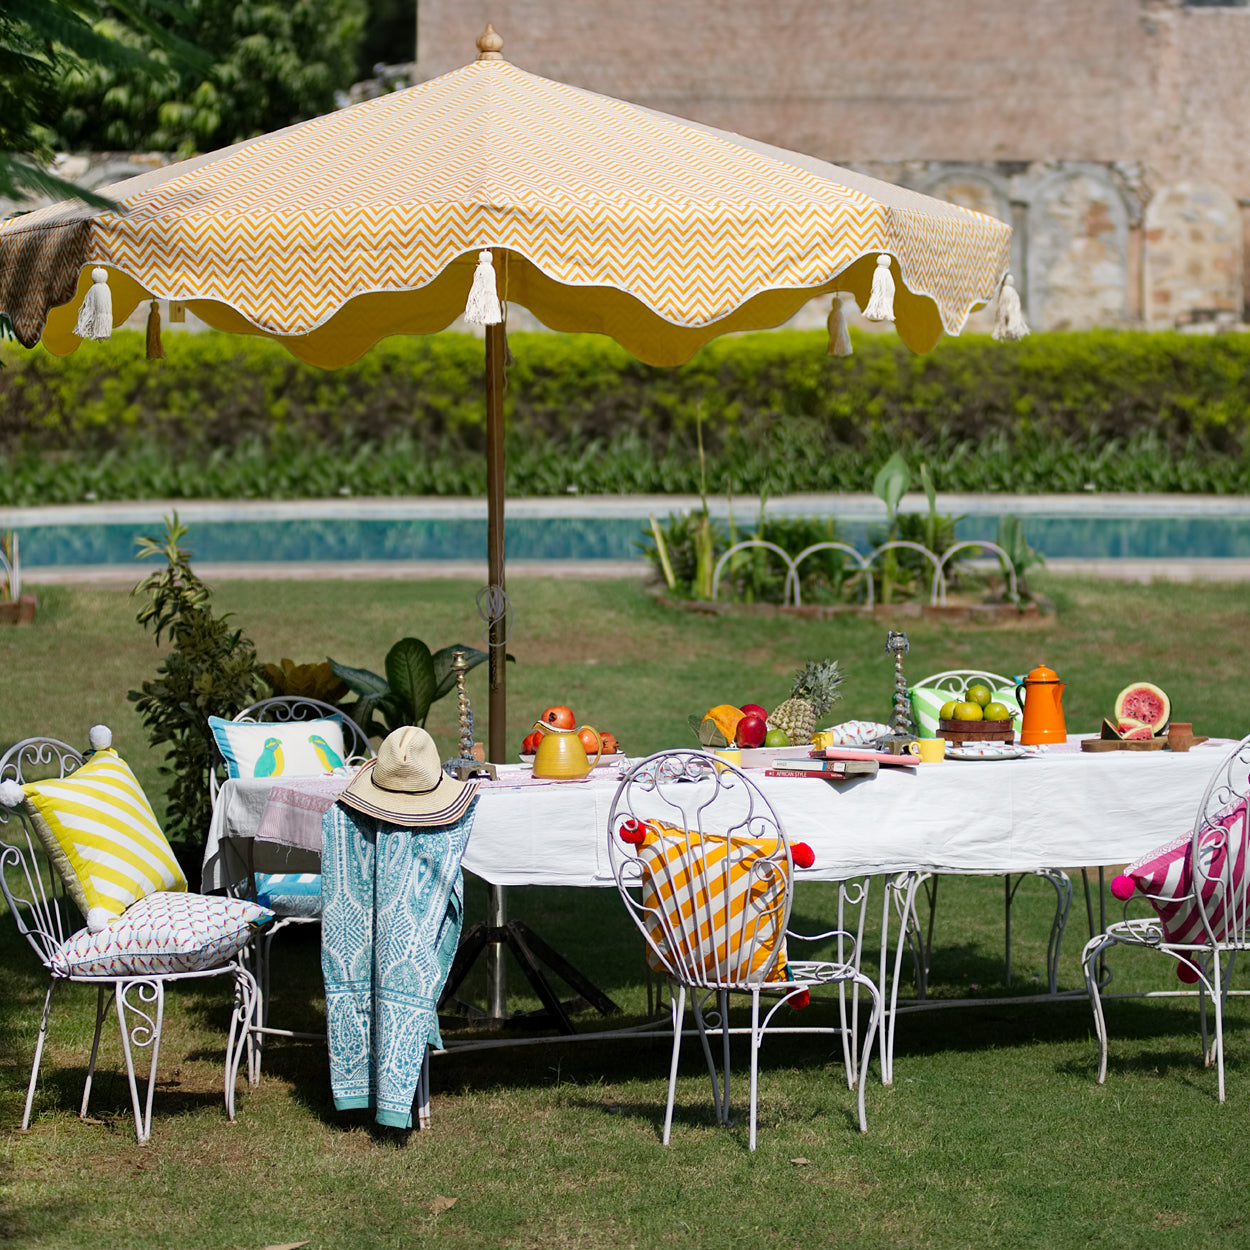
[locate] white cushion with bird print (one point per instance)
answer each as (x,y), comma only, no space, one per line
(279,748)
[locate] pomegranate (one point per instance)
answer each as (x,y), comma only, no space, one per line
(752,730)
(610,744)
(530,745)
(559,716)
(589,740)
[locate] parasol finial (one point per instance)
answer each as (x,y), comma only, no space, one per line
(489,45)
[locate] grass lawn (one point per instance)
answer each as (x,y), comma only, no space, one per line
(993,1134)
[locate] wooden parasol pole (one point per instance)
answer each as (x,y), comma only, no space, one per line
(496,906)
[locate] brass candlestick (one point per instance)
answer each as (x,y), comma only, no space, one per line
(466,764)
(902,726)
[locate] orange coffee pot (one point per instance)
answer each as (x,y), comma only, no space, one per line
(560,754)
(1041,697)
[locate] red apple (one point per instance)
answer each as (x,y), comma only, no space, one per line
(752,731)
(754,709)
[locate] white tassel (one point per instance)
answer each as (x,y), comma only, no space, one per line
(839,339)
(100,737)
(11,794)
(881,302)
(95,317)
(482,308)
(1009,323)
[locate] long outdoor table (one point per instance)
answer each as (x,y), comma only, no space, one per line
(1062,808)
(1066,808)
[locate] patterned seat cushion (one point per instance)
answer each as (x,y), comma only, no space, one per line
(1166,877)
(290,893)
(927,702)
(101,835)
(279,748)
(735,886)
(164,933)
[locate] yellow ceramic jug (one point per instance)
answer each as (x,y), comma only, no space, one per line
(560,754)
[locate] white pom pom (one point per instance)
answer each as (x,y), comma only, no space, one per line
(881,301)
(98,919)
(11,794)
(100,737)
(482,308)
(95,317)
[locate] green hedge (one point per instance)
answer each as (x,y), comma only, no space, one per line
(237,416)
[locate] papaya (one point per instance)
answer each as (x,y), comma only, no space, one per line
(725,717)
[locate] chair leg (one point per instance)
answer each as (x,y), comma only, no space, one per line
(240,1037)
(874,1023)
(1217,1003)
(145,1032)
(724,1017)
(101,1010)
(707,1053)
(34,1067)
(1090,958)
(755,1058)
(678,1007)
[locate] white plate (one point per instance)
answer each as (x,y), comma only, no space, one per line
(989,751)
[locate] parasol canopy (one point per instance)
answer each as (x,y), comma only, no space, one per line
(339,231)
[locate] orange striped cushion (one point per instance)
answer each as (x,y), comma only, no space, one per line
(717,905)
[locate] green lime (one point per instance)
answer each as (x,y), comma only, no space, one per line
(997,711)
(969,711)
(948,710)
(776,738)
(980,695)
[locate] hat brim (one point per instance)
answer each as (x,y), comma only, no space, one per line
(442,805)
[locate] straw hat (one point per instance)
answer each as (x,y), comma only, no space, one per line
(406,784)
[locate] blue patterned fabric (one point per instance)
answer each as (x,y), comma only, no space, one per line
(290,893)
(392,910)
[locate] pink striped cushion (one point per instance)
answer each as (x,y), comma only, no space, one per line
(1165,877)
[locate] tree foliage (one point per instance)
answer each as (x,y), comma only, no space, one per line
(269,65)
(212,671)
(44,41)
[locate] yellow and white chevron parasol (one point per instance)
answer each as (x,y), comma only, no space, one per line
(594,214)
(603,216)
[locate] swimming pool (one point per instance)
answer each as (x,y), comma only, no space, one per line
(604,528)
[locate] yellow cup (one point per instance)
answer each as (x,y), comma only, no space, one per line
(930,750)
(731,755)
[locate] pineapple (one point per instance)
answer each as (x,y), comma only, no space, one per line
(814,692)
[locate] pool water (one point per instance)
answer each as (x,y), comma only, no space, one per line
(301,540)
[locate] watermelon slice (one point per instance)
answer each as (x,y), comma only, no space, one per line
(1144,703)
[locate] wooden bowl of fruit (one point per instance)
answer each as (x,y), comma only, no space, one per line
(957,732)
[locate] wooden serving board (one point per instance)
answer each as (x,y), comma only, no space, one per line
(1118,744)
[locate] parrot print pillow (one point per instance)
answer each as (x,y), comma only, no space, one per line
(287,749)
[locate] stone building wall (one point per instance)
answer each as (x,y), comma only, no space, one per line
(1109,133)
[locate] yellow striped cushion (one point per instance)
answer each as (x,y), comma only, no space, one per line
(100,833)
(738,899)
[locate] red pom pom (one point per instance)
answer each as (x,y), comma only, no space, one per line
(1186,972)
(1122,887)
(633,831)
(800,1000)
(802,854)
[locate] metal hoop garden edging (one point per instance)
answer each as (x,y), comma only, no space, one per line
(937,590)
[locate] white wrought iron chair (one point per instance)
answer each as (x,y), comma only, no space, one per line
(707,875)
(48,919)
(957,682)
(295,897)
(1200,914)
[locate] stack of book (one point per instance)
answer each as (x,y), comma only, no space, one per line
(823,770)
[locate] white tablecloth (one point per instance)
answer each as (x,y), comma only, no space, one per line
(1064,809)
